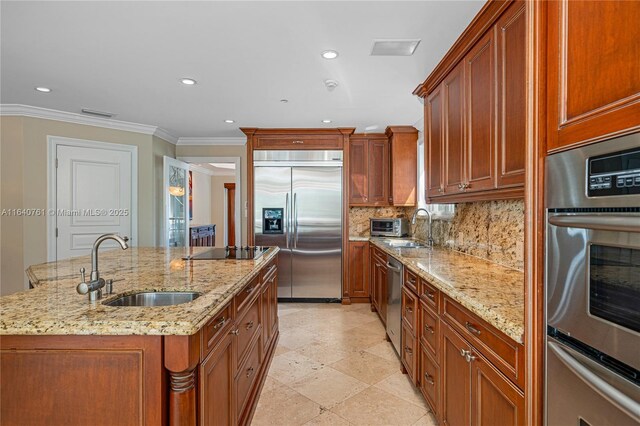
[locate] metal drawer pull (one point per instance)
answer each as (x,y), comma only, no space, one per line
(249,371)
(249,289)
(408,350)
(220,323)
(298,141)
(429,329)
(408,309)
(472,328)
(430,295)
(429,379)
(235,332)
(249,325)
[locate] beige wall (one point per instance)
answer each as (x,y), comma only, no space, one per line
(24,165)
(202,195)
(224,151)
(217,205)
(12,276)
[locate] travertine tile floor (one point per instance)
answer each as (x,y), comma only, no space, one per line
(333,366)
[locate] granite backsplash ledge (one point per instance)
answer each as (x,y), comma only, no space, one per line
(492,230)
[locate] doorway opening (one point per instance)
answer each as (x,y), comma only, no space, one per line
(214,201)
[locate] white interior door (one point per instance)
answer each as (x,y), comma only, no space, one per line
(93,197)
(176,203)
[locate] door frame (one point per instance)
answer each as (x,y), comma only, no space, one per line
(228,187)
(238,181)
(52,192)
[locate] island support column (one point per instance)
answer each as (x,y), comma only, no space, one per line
(181,359)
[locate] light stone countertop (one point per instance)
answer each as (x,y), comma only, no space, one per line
(493,292)
(358,238)
(54,307)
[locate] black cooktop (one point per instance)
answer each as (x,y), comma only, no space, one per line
(237,253)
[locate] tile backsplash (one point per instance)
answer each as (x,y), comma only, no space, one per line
(359,217)
(493,230)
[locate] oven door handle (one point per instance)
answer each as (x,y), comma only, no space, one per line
(592,378)
(609,222)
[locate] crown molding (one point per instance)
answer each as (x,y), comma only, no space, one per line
(75,118)
(211,141)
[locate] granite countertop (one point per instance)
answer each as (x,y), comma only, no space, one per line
(493,292)
(54,307)
(358,238)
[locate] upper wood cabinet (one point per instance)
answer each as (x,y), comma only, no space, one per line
(593,74)
(475,111)
(403,165)
(383,167)
(368,169)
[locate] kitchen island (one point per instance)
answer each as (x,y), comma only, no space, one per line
(66,360)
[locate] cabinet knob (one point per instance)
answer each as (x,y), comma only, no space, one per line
(429,379)
(249,325)
(235,332)
(408,350)
(250,371)
(440,190)
(429,329)
(460,186)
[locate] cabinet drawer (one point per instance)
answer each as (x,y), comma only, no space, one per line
(245,378)
(430,294)
(409,352)
(429,380)
(409,309)
(379,254)
(246,295)
(298,142)
(430,330)
(215,328)
(502,351)
(247,327)
(411,280)
(268,270)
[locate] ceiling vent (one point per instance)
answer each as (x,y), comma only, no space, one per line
(400,47)
(97,113)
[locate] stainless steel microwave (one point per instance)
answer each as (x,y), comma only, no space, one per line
(389,227)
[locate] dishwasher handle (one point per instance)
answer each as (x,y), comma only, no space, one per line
(393,268)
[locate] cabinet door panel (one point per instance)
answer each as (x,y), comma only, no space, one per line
(496,401)
(378,172)
(511,32)
(358,269)
(216,386)
(456,379)
(434,150)
(358,171)
(410,353)
(593,76)
(480,89)
(454,153)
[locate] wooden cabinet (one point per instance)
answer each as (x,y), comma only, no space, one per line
(475,114)
(403,168)
(379,283)
(511,61)
(593,77)
(480,115)
(216,385)
(434,149)
(383,167)
(456,379)
(357,286)
(369,169)
(410,355)
(454,130)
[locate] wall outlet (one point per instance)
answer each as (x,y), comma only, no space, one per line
(460,239)
(519,251)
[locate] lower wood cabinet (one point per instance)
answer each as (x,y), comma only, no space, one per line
(378,274)
(216,385)
(357,286)
(429,380)
(456,379)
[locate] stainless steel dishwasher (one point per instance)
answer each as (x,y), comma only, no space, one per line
(394,302)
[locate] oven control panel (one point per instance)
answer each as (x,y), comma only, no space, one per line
(614,174)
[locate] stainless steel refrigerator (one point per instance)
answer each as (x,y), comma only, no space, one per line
(298,207)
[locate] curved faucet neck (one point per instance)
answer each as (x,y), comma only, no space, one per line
(95,275)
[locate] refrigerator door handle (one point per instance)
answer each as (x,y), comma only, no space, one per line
(286,220)
(295,220)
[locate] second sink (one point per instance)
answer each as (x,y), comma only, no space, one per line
(154,298)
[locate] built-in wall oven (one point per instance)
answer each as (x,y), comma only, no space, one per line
(593,284)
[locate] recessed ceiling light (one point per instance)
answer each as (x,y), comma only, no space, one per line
(43,89)
(329,54)
(229,121)
(326,121)
(284,101)
(188,81)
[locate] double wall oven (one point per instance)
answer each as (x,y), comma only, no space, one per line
(593,285)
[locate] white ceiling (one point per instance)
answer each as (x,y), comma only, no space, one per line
(127,58)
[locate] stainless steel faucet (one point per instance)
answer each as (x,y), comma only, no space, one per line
(413,222)
(95,284)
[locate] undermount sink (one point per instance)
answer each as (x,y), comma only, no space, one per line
(154,298)
(403,243)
